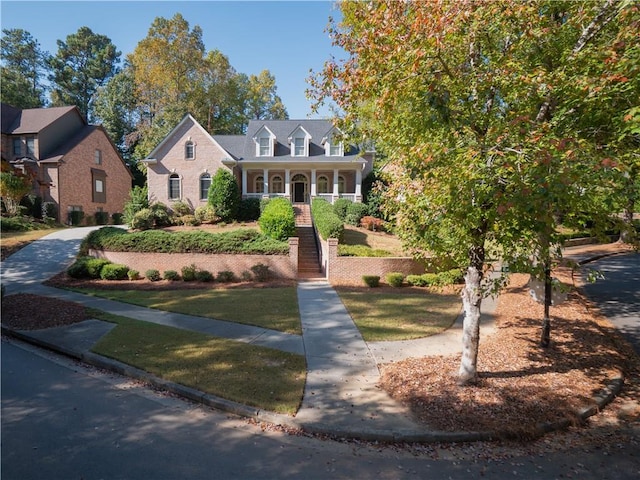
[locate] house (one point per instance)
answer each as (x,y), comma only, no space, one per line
(295,159)
(75,166)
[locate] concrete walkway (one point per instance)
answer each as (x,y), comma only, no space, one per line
(341,394)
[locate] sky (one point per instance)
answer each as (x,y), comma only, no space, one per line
(288,38)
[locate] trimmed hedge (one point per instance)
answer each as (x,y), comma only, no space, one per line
(158,241)
(278,220)
(341,207)
(361,251)
(326,221)
(114,271)
(447,277)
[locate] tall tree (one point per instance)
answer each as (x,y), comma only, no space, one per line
(262,101)
(24,65)
(83,64)
(471,102)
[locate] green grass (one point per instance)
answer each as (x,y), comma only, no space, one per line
(382,316)
(272,308)
(252,375)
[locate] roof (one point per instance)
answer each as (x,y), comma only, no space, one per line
(31,120)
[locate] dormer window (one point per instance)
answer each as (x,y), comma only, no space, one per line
(332,146)
(299,141)
(265,141)
(189,150)
(335,149)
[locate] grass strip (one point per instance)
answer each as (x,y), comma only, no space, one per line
(382,316)
(249,374)
(272,308)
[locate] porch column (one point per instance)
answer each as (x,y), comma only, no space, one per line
(335,183)
(265,176)
(244,182)
(358,183)
(313,183)
(287,183)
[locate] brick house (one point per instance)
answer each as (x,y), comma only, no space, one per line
(295,159)
(75,165)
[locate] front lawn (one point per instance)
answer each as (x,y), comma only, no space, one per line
(399,314)
(248,374)
(273,308)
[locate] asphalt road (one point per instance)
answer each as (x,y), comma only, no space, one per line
(63,420)
(618,294)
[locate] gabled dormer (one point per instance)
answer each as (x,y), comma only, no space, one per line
(299,140)
(333,147)
(265,141)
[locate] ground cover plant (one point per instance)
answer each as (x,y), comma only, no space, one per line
(400,314)
(247,374)
(273,308)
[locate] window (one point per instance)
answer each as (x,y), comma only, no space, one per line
(323,184)
(31,149)
(335,150)
(265,146)
(276,184)
(17,146)
(97,157)
(340,184)
(298,147)
(205,183)
(99,189)
(189,150)
(174,187)
(259,184)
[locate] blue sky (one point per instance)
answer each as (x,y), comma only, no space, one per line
(286,37)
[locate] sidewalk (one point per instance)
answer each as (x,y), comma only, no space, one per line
(341,396)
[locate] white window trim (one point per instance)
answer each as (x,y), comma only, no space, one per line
(179,197)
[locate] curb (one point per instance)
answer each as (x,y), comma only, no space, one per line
(600,400)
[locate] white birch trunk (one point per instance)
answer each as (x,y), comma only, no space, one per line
(471,301)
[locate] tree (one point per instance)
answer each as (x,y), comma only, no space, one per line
(224,195)
(23,66)
(13,187)
(83,64)
(262,101)
(472,102)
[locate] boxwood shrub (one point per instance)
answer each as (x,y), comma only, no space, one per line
(326,221)
(152,275)
(278,220)
(395,279)
(371,280)
(114,271)
(361,251)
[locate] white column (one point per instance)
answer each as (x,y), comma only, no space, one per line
(335,183)
(358,182)
(313,183)
(244,182)
(287,183)
(265,176)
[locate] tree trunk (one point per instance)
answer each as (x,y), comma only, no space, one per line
(471,300)
(545,337)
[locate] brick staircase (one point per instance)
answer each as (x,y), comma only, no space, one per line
(308,260)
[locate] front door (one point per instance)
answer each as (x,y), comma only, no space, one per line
(298,192)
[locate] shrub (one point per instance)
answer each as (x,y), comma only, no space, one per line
(225,277)
(260,272)
(181,208)
(133,275)
(355,212)
(171,275)
(452,276)
(188,220)
(79,268)
(49,210)
(161,215)
(361,251)
(371,280)
(15,224)
(33,205)
(117,218)
(372,223)
(114,271)
(395,279)
(203,276)
(264,201)
(102,218)
(278,220)
(189,273)
(249,210)
(95,266)
(246,276)
(142,220)
(416,281)
(326,221)
(76,217)
(206,214)
(224,195)
(153,275)
(340,207)
(138,200)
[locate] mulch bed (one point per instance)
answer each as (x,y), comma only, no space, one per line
(24,311)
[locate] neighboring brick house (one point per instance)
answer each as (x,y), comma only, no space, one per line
(75,165)
(295,159)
